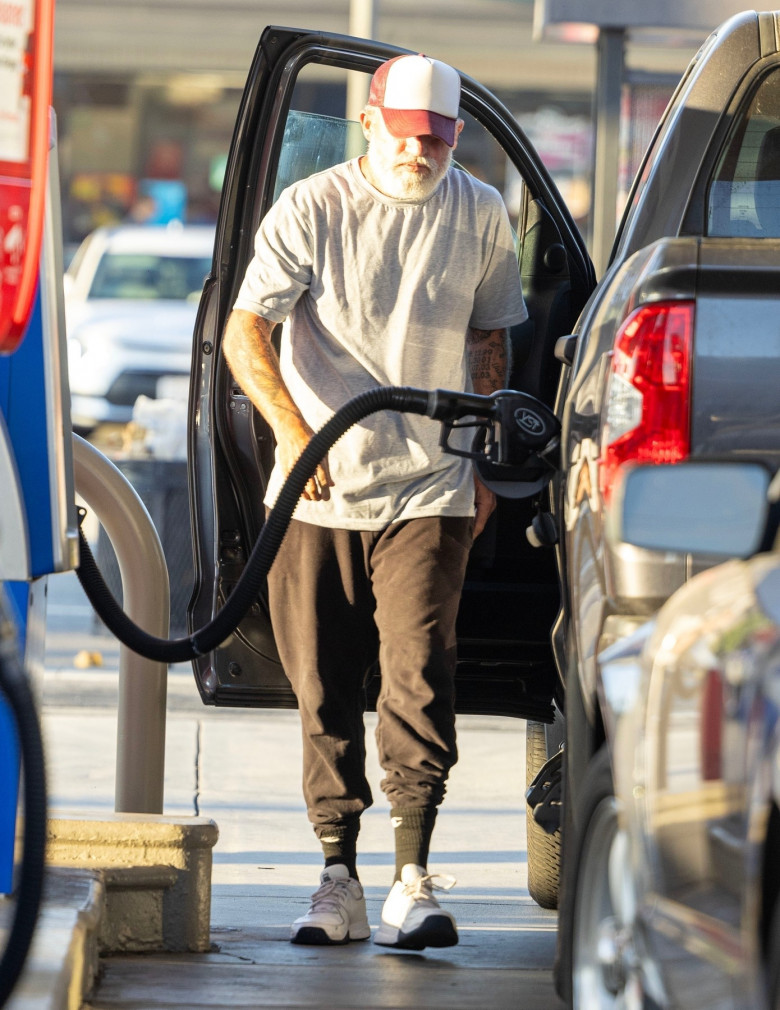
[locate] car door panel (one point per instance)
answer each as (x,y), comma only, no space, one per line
(544,271)
(286,129)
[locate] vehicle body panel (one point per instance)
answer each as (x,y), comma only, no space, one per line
(737,348)
(693,759)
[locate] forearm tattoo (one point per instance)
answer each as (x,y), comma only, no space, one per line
(488,359)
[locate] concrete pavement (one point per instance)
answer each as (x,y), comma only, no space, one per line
(242,769)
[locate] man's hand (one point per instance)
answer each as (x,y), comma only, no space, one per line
(485,503)
(291,439)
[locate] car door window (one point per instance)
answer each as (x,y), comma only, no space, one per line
(744,196)
(312,143)
(319,132)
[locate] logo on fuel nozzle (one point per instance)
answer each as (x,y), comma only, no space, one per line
(529,421)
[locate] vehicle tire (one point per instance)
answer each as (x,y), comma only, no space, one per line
(543,850)
(773,962)
(604,965)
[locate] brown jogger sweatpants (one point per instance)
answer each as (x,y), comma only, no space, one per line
(339,598)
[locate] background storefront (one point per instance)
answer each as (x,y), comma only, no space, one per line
(146,95)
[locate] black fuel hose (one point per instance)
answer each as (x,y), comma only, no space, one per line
(436,404)
(29,889)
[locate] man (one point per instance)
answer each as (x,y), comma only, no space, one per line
(391,269)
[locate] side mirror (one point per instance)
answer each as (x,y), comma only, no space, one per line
(718,509)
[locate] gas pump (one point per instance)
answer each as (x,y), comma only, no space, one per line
(38,528)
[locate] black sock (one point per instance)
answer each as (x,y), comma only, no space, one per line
(339,844)
(413,828)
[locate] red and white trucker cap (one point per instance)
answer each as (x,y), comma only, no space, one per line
(417,96)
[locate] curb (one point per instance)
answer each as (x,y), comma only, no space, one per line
(62,963)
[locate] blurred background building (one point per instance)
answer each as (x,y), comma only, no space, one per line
(146,94)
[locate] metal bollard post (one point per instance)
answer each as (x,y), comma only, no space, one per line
(140,754)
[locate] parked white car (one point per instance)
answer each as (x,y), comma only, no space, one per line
(131,297)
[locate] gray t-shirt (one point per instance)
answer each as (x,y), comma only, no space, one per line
(379,292)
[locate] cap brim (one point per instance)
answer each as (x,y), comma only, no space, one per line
(419,123)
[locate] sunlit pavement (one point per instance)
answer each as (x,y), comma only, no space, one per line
(242,769)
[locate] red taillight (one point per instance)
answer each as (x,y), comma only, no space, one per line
(648,404)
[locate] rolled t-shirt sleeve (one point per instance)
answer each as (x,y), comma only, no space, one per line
(280,270)
(498,299)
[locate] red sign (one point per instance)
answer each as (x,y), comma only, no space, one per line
(26,41)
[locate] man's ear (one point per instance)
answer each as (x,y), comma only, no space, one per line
(458,127)
(366,122)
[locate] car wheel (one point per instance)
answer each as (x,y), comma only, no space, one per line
(605,963)
(773,962)
(544,851)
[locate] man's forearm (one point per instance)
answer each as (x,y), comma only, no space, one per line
(487,352)
(255,365)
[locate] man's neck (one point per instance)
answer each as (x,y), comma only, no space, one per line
(365,167)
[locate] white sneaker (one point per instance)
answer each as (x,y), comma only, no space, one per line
(337,913)
(411,917)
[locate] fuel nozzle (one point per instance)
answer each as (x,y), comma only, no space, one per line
(516,437)
(522,425)
(513,424)
(515,442)
(449,405)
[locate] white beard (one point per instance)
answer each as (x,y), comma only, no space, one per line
(399,184)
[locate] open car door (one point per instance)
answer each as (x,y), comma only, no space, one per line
(299,116)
